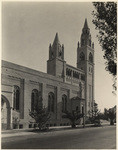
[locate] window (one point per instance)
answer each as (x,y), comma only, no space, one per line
(90,43)
(90,57)
(82,56)
(75,74)
(82,77)
(51,102)
(16,102)
(59,53)
(69,72)
(64,103)
(66,71)
(77,108)
(36,99)
(82,109)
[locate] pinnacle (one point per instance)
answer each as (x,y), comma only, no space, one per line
(56,40)
(86,24)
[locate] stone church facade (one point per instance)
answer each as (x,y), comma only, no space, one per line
(62,88)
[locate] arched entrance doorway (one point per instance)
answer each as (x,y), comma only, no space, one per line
(5,113)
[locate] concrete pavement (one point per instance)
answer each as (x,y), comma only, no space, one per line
(79,138)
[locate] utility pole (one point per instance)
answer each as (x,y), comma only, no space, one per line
(81,88)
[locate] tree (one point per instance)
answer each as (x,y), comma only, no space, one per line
(16,121)
(73,117)
(40,116)
(110,114)
(94,117)
(105,21)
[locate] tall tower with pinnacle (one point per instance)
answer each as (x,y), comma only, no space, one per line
(85,61)
(56,63)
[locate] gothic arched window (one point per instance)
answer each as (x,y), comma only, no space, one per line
(90,57)
(51,102)
(82,56)
(16,102)
(64,103)
(82,109)
(35,99)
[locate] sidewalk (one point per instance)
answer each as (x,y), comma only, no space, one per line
(21,132)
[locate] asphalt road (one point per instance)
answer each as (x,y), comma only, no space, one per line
(87,138)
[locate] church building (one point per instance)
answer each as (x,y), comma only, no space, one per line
(62,88)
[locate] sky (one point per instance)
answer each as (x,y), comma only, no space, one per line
(29,27)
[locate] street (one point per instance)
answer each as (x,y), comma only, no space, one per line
(87,138)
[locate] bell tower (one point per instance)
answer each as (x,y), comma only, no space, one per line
(56,64)
(85,61)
